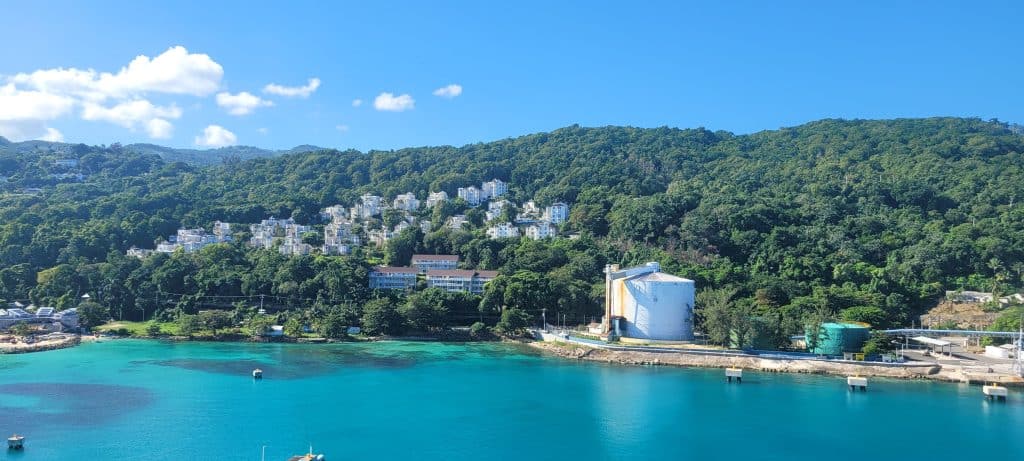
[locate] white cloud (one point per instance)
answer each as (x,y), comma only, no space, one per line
(242,103)
(53,135)
(263,131)
(293,91)
(216,136)
(159,128)
(391,103)
(357,102)
(449,91)
(342,128)
(129,114)
(24,113)
(18,104)
(175,71)
(29,100)
(135,114)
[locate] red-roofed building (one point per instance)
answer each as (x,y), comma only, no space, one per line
(459,280)
(430,262)
(393,278)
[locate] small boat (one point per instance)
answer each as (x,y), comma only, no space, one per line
(308,457)
(15,442)
(257,374)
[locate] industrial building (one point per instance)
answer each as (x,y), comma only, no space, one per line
(834,339)
(644,303)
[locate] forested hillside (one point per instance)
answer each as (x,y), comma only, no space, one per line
(867,220)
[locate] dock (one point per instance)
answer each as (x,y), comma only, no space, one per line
(994,392)
(731,373)
(857,382)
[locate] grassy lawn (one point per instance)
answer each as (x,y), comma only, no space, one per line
(138,328)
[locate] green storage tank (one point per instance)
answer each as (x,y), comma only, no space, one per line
(836,338)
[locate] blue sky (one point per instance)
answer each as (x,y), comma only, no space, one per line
(522,67)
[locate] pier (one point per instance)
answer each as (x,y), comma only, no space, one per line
(857,382)
(994,392)
(731,373)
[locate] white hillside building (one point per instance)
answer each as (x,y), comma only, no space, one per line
(471,195)
(494,188)
(503,230)
(436,197)
(557,213)
(406,202)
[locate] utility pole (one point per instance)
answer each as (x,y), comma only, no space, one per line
(544,319)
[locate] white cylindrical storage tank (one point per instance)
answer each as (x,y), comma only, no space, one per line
(657,306)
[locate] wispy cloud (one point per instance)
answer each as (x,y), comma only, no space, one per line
(342,128)
(391,103)
(357,102)
(449,91)
(293,91)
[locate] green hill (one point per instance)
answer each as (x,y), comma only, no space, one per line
(854,218)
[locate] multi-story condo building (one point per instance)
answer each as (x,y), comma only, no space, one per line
(393,278)
(503,230)
(541,230)
(494,188)
(369,207)
(460,280)
(379,237)
(495,208)
(424,263)
(436,197)
(406,202)
(471,195)
(557,213)
(456,222)
(333,213)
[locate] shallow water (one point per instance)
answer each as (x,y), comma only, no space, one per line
(400,400)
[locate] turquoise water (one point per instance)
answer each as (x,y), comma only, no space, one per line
(395,400)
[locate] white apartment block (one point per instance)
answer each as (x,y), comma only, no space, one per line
(370,205)
(541,230)
(557,213)
(436,197)
(503,230)
(140,253)
(459,280)
(379,237)
(531,209)
(471,195)
(494,188)
(292,246)
(456,222)
(393,278)
(406,202)
(495,208)
(424,263)
(333,213)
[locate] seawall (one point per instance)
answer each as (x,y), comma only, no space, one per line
(735,360)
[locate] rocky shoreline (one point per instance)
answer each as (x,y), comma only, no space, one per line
(44,344)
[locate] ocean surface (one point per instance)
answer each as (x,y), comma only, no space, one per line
(150,400)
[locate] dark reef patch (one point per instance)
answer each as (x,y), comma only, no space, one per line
(70,404)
